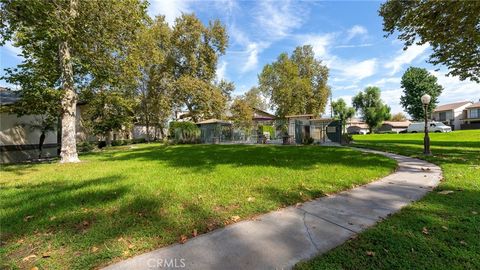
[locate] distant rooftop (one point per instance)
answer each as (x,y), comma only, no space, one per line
(474,105)
(451,106)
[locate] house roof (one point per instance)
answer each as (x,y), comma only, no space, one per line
(359,125)
(267,114)
(212,121)
(397,124)
(8,97)
(321,119)
(451,106)
(299,115)
(474,105)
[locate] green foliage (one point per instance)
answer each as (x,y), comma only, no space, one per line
(85,147)
(108,111)
(269,129)
(347,138)
(254,99)
(307,140)
(184,132)
(193,59)
(242,113)
(372,108)
(449,27)
(415,83)
(296,84)
(399,117)
(342,112)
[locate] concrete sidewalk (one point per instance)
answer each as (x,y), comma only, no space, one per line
(280,239)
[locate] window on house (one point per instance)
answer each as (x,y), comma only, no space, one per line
(474,113)
(442,116)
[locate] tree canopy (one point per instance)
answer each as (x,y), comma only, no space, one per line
(451,28)
(75,43)
(415,83)
(296,84)
(371,107)
(342,112)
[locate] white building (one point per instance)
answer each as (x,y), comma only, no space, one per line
(451,114)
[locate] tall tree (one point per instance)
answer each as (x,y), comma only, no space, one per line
(194,56)
(415,83)
(77,41)
(342,112)
(450,27)
(242,113)
(109,111)
(255,99)
(372,108)
(296,84)
(399,117)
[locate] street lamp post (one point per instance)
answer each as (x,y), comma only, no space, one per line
(426,140)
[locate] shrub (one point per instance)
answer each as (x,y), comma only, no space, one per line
(85,146)
(269,129)
(347,138)
(139,140)
(184,132)
(307,140)
(117,143)
(101,144)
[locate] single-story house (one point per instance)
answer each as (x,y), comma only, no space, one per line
(451,114)
(356,126)
(321,130)
(471,117)
(393,126)
(19,139)
(215,131)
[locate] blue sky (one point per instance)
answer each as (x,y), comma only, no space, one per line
(346,36)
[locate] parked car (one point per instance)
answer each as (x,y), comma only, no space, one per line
(432,127)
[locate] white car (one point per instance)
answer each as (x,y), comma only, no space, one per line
(417,127)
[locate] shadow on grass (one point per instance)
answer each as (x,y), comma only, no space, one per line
(206,157)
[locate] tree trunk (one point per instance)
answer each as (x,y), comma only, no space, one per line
(161,132)
(108,138)
(68,151)
(147,133)
(40,144)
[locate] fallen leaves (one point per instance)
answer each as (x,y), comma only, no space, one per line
(445,192)
(445,228)
(250,199)
(463,242)
(29,257)
(235,218)
(425,230)
(194,233)
(28,218)
(474,212)
(94,249)
(183,239)
(370,253)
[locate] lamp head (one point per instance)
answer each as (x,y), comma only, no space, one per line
(426,99)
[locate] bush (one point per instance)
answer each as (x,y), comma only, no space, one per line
(307,140)
(139,140)
(347,138)
(85,146)
(184,132)
(117,142)
(101,144)
(269,129)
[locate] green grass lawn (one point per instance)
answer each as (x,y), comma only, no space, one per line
(129,200)
(441,231)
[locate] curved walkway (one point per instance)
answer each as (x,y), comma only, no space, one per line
(280,239)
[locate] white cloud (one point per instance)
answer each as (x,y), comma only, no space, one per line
(320,43)
(391,97)
(356,30)
(384,81)
(221,70)
(253,49)
(276,20)
(349,70)
(170,8)
(354,45)
(455,89)
(405,57)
